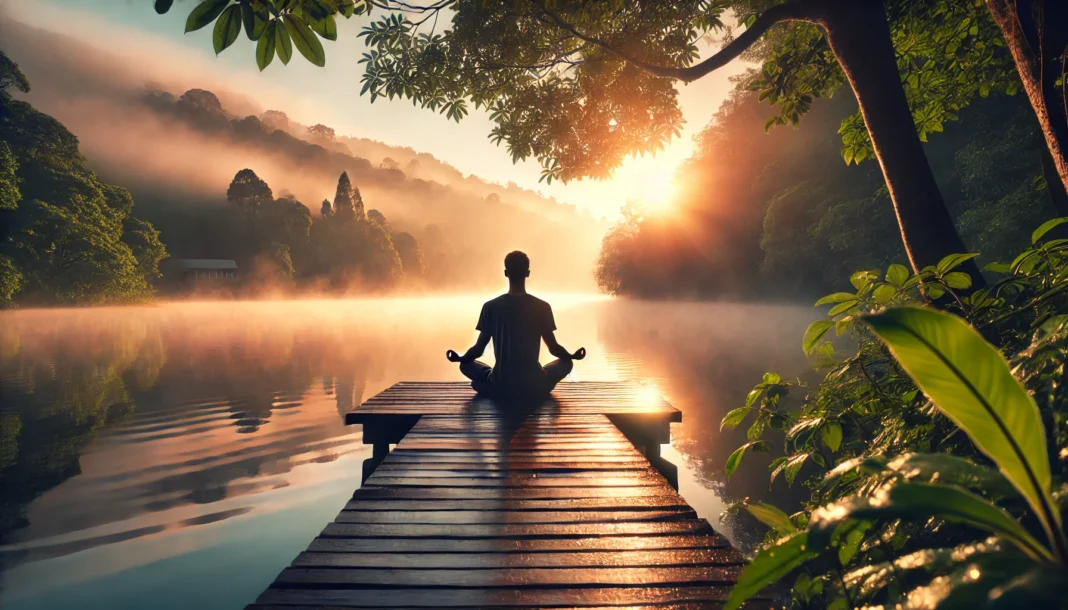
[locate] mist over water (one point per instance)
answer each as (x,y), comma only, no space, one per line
(204,442)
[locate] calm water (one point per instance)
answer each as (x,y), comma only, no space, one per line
(184,454)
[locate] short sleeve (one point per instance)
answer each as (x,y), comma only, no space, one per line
(484,319)
(549,322)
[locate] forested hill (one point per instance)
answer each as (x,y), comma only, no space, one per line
(176,145)
(780,214)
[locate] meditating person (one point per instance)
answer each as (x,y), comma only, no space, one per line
(517,323)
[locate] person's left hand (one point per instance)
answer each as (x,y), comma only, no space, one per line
(579,354)
(452,356)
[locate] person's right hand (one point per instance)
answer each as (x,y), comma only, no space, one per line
(452,356)
(579,354)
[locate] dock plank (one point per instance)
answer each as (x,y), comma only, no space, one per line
(482,506)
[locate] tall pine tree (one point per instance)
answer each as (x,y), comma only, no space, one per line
(345,199)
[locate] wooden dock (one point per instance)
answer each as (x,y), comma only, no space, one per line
(556,505)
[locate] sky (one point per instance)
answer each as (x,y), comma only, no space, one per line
(330,95)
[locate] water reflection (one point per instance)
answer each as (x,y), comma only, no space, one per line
(141,448)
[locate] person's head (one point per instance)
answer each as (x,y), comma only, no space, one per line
(517,266)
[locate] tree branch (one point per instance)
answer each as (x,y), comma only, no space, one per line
(794,10)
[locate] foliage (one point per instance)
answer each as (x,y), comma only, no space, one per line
(949,53)
(348,203)
(65,237)
(914,508)
(275,25)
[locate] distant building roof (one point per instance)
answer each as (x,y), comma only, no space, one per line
(206,263)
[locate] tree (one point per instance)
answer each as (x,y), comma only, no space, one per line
(1037,36)
(326,209)
(378,218)
(65,236)
(389,163)
(580,86)
(248,192)
(345,199)
(411,255)
(322,131)
(275,120)
(9,180)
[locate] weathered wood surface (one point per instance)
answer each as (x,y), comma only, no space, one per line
(483,508)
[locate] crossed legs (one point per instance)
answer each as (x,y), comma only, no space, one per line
(479,373)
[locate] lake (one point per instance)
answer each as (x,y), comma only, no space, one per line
(184,453)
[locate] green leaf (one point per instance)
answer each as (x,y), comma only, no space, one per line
(953,261)
(883,293)
(814,334)
(162,6)
(838,297)
(841,307)
(849,541)
(327,27)
(736,458)
(227,28)
(919,502)
(734,418)
(265,48)
(282,44)
(832,436)
(897,274)
(255,17)
(770,565)
(969,381)
(793,466)
(205,12)
(772,517)
(949,469)
(305,40)
(861,279)
(1046,227)
(958,280)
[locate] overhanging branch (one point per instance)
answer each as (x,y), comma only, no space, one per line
(794,10)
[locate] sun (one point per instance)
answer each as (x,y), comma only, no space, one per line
(650,182)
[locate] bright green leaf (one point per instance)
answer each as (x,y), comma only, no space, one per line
(897,274)
(953,261)
(734,418)
(814,334)
(969,381)
(736,458)
(838,297)
(772,517)
(918,502)
(883,293)
(1046,227)
(770,565)
(832,436)
(958,280)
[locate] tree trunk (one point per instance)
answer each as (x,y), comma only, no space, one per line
(859,35)
(1037,47)
(1054,186)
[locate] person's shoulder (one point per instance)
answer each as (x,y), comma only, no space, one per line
(496,300)
(539,302)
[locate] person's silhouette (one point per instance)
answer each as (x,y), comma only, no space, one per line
(517,323)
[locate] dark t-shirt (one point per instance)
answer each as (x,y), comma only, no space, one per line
(517,323)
